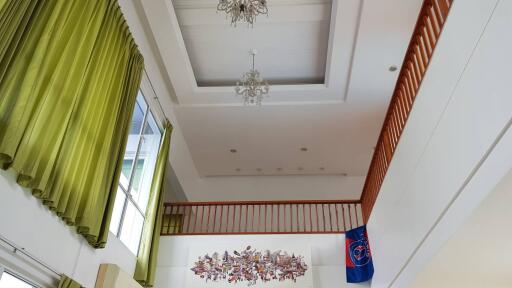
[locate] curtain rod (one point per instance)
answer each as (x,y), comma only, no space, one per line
(16,249)
(156,97)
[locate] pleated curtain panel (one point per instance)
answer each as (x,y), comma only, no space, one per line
(148,251)
(69,75)
(66,282)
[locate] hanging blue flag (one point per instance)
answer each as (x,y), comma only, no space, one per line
(358,255)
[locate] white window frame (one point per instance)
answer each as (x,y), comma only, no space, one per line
(128,196)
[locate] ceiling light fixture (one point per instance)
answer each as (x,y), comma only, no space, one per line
(304,149)
(243,10)
(252,87)
(233,150)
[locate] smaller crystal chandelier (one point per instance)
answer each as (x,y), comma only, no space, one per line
(243,10)
(252,87)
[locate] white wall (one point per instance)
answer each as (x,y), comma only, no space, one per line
(455,147)
(327,253)
(300,187)
(479,254)
(29,224)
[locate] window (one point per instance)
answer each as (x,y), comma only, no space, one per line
(136,176)
(8,280)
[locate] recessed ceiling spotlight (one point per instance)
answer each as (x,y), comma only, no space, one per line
(233,150)
(300,168)
(258,169)
(304,149)
(322,168)
(393,68)
(238,169)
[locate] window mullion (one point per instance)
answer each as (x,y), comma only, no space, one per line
(136,159)
(134,166)
(137,206)
(123,213)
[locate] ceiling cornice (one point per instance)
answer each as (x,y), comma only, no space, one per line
(202,4)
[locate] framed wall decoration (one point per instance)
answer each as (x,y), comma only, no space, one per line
(248,265)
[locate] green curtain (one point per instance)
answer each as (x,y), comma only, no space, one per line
(148,251)
(69,75)
(66,282)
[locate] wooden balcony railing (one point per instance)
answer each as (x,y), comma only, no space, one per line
(428,29)
(271,217)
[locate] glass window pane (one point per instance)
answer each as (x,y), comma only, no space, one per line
(132,228)
(125,172)
(146,163)
(9,281)
(133,140)
(117,211)
(138,114)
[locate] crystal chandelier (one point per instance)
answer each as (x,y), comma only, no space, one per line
(252,87)
(243,10)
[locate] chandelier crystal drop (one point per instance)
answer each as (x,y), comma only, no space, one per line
(243,10)
(251,87)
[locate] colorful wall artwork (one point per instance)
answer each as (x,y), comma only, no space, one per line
(250,267)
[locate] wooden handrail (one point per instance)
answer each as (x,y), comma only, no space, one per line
(427,31)
(355,201)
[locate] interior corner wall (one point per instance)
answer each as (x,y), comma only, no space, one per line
(455,147)
(327,256)
(478,254)
(31,225)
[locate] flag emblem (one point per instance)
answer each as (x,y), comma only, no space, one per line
(358,256)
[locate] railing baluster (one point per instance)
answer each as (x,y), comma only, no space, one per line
(272,218)
(252,222)
(221,218)
(278,218)
(344,219)
(291,218)
(265,229)
(317,219)
(310,218)
(350,216)
(172,220)
(163,221)
(330,216)
(297,218)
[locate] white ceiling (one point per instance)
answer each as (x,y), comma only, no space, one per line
(338,119)
(217,61)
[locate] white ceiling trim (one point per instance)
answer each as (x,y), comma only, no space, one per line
(200,4)
(344,21)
